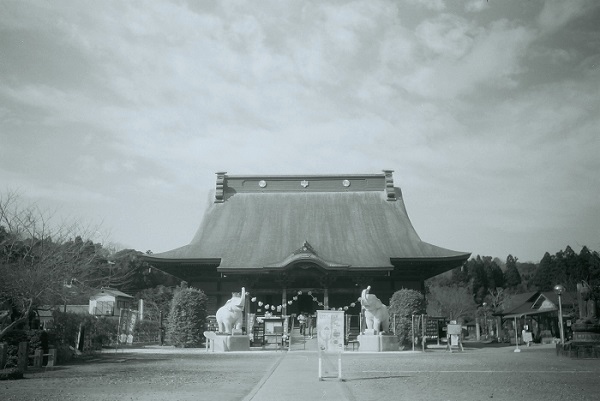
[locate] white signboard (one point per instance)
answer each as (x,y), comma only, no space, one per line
(330,330)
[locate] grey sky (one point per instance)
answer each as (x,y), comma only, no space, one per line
(488,111)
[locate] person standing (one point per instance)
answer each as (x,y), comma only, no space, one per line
(302,322)
(309,325)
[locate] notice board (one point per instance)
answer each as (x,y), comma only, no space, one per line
(330,330)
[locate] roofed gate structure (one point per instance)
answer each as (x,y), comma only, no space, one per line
(316,238)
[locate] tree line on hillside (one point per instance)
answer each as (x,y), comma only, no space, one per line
(485,284)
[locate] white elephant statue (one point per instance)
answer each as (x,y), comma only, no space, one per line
(377,316)
(229,316)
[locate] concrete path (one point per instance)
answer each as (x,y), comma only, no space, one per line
(295,377)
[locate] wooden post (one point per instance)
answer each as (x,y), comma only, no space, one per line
(38,356)
(423,331)
(51,358)
(412,332)
(3,354)
(284,303)
(23,356)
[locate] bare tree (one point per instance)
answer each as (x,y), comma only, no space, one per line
(39,259)
(455,302)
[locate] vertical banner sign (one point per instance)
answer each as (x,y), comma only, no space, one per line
(330,336)
(131,325)
(123,323)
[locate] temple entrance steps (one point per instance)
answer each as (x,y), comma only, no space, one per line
(299,342)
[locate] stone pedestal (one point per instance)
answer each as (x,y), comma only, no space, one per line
(377,343)
(227,343)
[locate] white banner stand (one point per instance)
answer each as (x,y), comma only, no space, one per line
(330,337)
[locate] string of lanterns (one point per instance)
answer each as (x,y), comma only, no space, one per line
(290,302)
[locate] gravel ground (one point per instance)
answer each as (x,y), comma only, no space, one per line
(145,376)
(478,373)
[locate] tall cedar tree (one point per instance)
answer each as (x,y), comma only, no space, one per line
(512,277)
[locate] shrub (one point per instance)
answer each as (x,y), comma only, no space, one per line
(146,330)
(187,318)
(35,338)
(405,303)
(104,331)
(66,327)
(11,374)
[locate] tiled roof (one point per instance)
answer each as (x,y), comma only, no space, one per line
(111,291)
(349,222)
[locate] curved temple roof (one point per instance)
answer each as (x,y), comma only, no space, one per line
(337,221)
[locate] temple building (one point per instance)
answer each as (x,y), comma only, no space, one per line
(301,243)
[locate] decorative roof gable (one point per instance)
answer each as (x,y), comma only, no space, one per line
(305,253)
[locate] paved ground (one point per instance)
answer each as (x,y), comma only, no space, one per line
(481,372)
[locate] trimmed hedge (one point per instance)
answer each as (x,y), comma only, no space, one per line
(405,303)
(187,318)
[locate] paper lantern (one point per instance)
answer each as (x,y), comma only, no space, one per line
(253,299)
(260,303)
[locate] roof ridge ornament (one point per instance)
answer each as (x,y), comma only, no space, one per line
(305,248)
(219,194)
(389,185)
(307,254)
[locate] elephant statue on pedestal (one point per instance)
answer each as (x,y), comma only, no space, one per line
(229,316)
(376,313)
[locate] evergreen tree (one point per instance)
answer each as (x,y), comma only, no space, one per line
(478,278)
(584,264)
(512,278)
(542,278)
(558,273)
(460,275)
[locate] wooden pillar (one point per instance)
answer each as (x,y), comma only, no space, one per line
(326,298)
(284,303)
(23,356)
(38,358)
(3,354)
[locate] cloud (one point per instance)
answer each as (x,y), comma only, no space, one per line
(557,13)
(472,56)
(434,5)
(475,6)
(129,111)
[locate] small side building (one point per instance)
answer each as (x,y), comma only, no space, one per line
(109,302)
(538,312)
